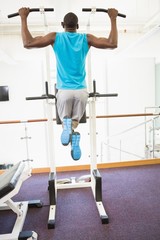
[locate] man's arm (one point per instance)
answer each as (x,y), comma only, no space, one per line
(112,40)
(28,40)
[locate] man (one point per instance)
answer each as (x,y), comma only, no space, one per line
(70,49)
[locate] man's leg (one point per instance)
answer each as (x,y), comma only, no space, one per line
(71,105)
(64,108)
(64,103)
(79,107)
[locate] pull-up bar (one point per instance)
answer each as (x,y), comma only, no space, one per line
(100,10)
(32,10)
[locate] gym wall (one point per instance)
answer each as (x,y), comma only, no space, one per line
(132,78)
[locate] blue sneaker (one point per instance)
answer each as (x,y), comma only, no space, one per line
(67,130)
(75,148)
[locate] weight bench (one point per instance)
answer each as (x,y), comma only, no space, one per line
(10,184)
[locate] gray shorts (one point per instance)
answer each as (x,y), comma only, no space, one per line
(71,103)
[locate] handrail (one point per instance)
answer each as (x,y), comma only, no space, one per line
(131,128)
(127,130)
(124,151)
(128,115)
(24,121)
(100,116)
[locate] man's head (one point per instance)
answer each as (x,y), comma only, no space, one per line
(70,21)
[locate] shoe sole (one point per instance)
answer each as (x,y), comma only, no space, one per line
(76,151)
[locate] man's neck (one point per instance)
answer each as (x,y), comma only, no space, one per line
(70,30)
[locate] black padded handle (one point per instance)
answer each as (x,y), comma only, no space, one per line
(44,96)
(31,10)
(48,96)
(101,10)
(96,94)
(103,95)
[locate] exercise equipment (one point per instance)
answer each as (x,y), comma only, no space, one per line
(93,180)
(32,10)
(10,184)
(100,10)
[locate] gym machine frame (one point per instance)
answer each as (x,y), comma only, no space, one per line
(33,10)
(52,9)
(94,9)
(95,178)
(95,181)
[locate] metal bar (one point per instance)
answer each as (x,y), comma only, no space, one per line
(103,95)
(45,96)
(128,115)
(100,116)
(31,10)
(101,10)
(24,121)
(38,120)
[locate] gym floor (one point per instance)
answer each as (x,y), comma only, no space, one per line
(130,196)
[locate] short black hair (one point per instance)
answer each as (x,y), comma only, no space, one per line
(70,20)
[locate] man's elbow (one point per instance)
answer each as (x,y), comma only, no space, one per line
(114,46)
(27,46)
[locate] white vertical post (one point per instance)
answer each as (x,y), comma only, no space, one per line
(50,136)
(92,121)
(49,104)
(48,107)
(92,114)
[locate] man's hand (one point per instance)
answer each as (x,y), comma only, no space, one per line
(24,12)
(112,12)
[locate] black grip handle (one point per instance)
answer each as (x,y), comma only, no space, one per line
(36,98)
(103,95)
(49,96)
(101,10)
(107,95)
(95,94)
(31,10)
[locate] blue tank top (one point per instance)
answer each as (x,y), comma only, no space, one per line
(70,51)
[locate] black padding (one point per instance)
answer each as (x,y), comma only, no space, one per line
(58,120)
(51,224)
(25,235)
(83,119)
(98,185)
(9,178)
(105,219)
(52,189)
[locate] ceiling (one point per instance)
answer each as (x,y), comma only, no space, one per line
(142,15)
(142,18)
